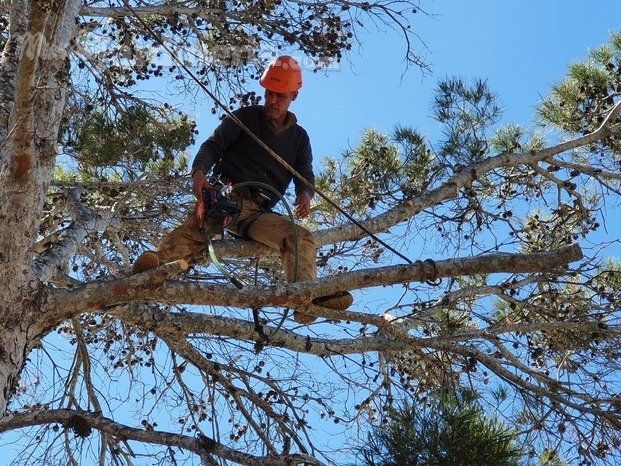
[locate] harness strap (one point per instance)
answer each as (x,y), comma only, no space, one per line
(242,227)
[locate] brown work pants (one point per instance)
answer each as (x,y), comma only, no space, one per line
(271,229)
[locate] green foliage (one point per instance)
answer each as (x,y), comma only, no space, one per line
(135,136)
(382,169)
(515,138)
(551,458)
(559,303)
(579,103)
(445,430)
(607,285)
(417,158)
(426,371)
(467,112)
(371,167)
(563,225)
(448,321)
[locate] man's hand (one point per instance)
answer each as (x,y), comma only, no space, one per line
(303,203)
(199,182)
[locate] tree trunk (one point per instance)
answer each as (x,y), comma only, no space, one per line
(37,64)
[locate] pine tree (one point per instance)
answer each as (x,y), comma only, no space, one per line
(444,430)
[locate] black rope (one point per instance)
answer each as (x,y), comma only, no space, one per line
(429,274)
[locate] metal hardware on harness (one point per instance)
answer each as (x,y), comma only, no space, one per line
(220,209)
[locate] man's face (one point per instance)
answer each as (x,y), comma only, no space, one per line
(277,104)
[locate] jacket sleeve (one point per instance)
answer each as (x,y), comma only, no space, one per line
(212,149)
(304,166)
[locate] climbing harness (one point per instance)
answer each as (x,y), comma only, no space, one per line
(220,211)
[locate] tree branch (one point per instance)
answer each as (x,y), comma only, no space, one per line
(298,295)
(451,188)
(82,421)
(47,266)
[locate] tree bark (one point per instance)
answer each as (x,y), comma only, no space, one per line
(28,153)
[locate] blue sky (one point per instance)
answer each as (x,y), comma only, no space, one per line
(520,47)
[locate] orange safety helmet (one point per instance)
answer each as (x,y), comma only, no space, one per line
(283,75)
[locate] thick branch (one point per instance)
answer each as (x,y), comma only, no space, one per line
(287,296)
(298,295)
(201,445)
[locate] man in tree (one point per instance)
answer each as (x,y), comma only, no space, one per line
(233,156)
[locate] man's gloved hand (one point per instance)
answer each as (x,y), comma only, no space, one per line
(303,203)
(199,182)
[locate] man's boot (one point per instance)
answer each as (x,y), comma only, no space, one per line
(146,261)
(339,301)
